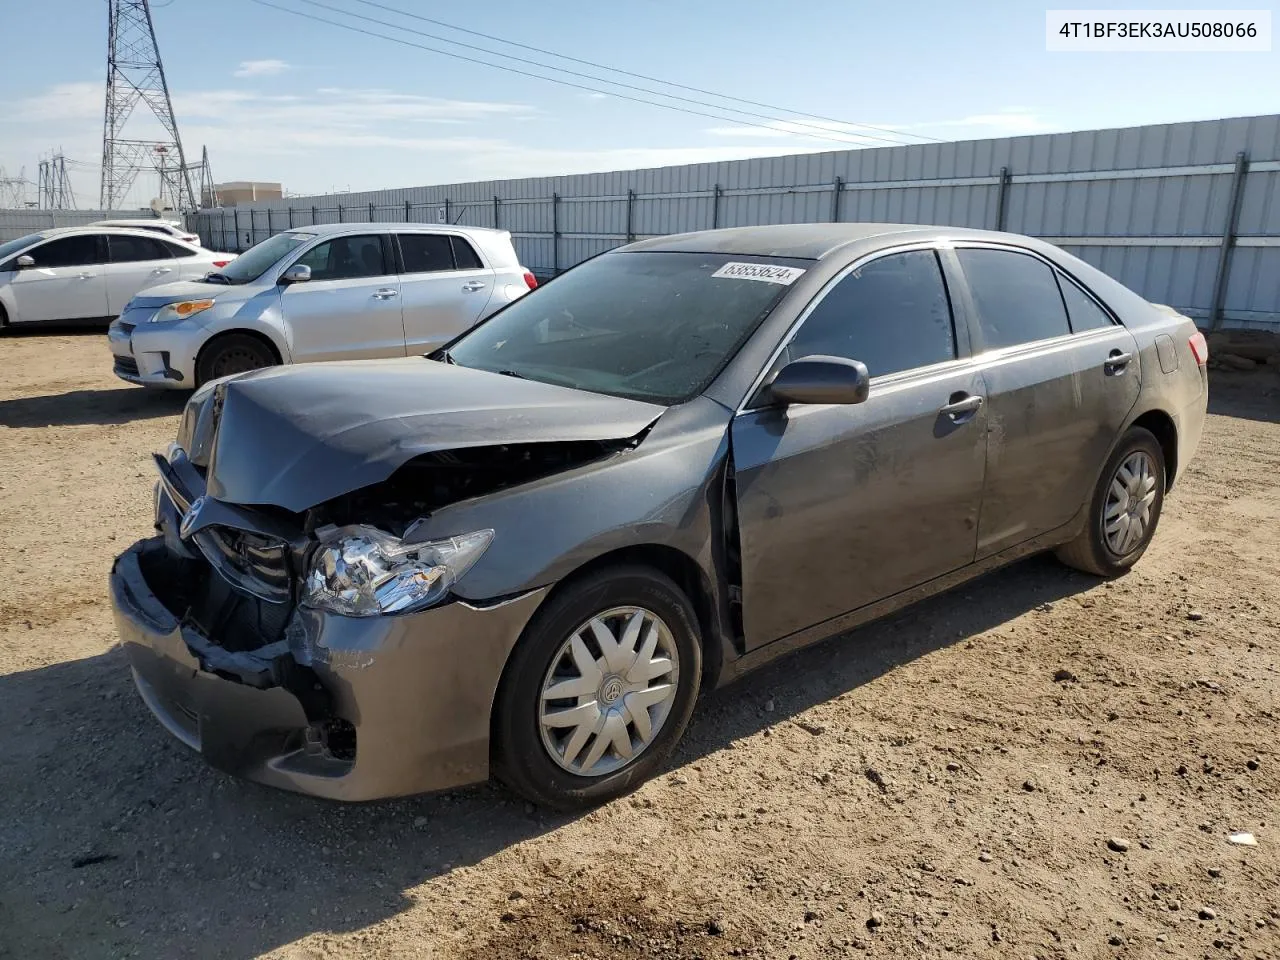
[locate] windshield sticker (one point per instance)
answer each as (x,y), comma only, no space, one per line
(767,272)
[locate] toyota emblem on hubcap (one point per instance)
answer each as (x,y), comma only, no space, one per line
(612,690)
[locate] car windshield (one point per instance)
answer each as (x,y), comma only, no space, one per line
(13,246)
(258,259)
(650,326)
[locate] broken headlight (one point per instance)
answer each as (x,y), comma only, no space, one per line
(361,571)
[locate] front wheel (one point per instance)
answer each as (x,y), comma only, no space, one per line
(232,353)
(1124,510)
(599,690)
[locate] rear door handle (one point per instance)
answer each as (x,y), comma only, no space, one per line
(85,276)
(1117,362)
(386,293)
(962,407)
(471,286)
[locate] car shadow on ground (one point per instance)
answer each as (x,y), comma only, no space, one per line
(1251,395)
(115,840)
(79,407)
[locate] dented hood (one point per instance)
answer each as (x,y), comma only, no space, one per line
(294,437)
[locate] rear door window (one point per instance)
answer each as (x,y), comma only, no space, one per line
(1016,295)
(464,255)
(892,314)
(425,252)
(177,251)
(1082,309)
(127,249)
(346,258)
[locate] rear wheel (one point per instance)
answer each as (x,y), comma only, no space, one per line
(232,353)
(599,690)
(1125,508)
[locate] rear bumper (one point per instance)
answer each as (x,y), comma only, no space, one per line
(343,708)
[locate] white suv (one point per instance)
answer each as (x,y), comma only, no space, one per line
(88,274)
(168,228)
(349,291)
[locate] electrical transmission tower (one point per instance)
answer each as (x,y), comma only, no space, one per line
(13,190)
(135,76)
(54,189)
(208,192)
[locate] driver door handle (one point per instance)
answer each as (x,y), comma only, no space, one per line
(84,276)
(471,286)
(962,407)
(386,293)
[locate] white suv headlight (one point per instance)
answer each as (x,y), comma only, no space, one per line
(361,571)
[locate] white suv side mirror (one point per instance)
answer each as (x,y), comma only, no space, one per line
(298,273)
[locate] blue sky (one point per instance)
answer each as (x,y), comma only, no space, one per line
(278,97)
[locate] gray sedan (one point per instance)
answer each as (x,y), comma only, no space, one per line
(526,554)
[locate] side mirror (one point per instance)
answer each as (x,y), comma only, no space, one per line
(25,262)
(298,273)
(820,379)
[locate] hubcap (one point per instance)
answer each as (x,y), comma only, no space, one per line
(1129,500)
(609,691)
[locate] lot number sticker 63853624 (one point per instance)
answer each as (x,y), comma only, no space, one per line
(768,272)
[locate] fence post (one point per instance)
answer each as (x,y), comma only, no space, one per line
(269,229)
(315,218)
(496,205)
(235,218)
(1002,198)
(555,234)
(448,213)
(1228,241)
(340,220)
(835,200)
(290,216)
(631,202)
(715,207)
(407,208)
(371,211)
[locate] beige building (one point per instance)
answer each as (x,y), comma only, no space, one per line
(243,191)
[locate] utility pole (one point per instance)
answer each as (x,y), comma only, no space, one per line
(135,77)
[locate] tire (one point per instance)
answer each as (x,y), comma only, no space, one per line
(232,353)
(1095,550)
(523,745)
(4,318)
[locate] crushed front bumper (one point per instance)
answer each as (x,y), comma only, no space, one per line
(344,708)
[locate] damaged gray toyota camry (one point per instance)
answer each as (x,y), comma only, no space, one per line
(525,554)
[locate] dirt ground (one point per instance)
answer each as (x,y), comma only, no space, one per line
(923,787)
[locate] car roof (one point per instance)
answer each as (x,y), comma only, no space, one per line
(809,241)
(325,229)
(147,222)
(52,232)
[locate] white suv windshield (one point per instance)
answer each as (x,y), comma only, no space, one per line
(260,258)
(650,326)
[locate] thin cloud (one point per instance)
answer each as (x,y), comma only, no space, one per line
(260,68)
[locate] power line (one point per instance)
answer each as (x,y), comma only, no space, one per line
(826,130)
(641,76)
(537,76)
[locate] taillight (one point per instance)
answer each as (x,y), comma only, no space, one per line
(1199,348)
(221,263)
(530,280)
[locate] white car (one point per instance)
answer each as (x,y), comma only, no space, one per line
(168,228)
(88,274)
(349,291)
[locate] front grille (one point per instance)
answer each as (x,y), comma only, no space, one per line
(126,366)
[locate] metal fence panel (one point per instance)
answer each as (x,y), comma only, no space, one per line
(1149,205)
